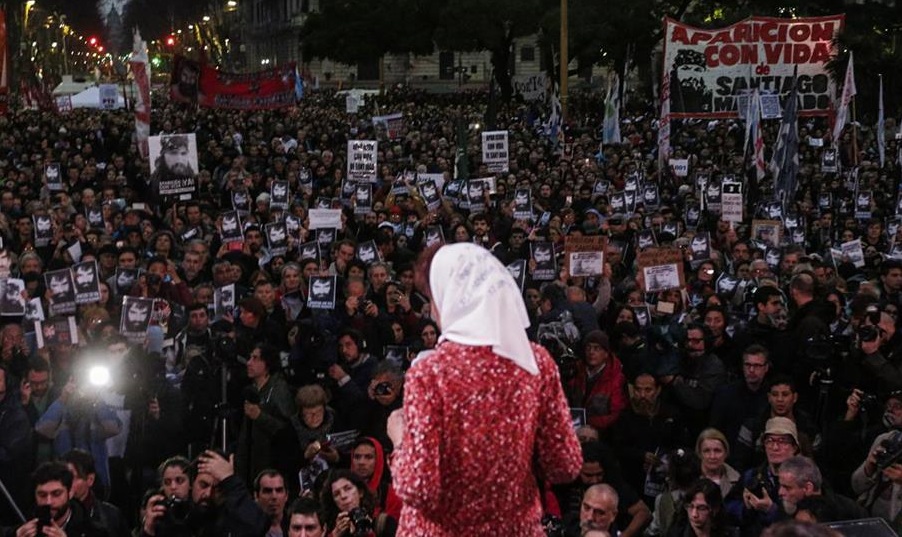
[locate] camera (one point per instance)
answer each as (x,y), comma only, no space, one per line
(153,279)
(365,304)
(42,513)
(383,388)
(177,509)
(553,526)
(889,452)
(757,487)
(361,520)
(868,333)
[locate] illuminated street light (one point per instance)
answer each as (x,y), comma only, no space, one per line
(206,18)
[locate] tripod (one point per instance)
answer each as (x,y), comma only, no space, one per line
(12,502)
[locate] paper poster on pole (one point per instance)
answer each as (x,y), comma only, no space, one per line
(731,202)
(680,166)
(495,151)
(108,95)
(661,269)
(362,160)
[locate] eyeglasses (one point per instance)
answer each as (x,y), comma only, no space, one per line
(778,441)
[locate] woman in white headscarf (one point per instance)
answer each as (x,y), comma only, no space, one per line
(484,414)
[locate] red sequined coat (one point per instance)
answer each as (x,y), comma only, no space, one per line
(476,422)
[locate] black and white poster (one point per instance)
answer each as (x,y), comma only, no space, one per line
(325,237)
(726,284)
(731,202)
(632,182)
(618,202)
(367,252)
(305,180)
(495,151)
(276,238)
(646,239)
(522,204)
(87,282)
(601,188)
(476,189)
(693,215)
(293,225)
(828,161)
(650,197)
(53,177)
(224,301)
(56,331)
(699,248)
(863,205)
(363,198)
(62,298)
(12,297)
(397,354)
(279,195)
(542,254)
(231,229)
(431,195)
(630,197)
(322,292)
(825,201)
(173,164)
(43,230)
(34,310)
(773,256)
(94,214)
(125,279)
(712,196)
(135,318)
(643,316)
(434,235)
(309,250)
(241,201)
(517,270)
(586,264)
(362,160)
(194,232)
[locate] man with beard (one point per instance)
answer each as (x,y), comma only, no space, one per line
(800,478)
(174,162)
(220,503)
(688,89)
(768,328)
(53,482)
(648,426)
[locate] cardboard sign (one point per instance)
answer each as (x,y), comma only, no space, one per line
(767,231)
(325,218)
(661,269)
(322,292)
(590,258)
(362,160)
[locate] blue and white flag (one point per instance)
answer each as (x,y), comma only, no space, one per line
(611,126)
(785,162)
(553,127)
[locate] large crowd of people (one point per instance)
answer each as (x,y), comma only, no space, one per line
(764,388)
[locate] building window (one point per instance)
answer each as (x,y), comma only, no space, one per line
(527,54)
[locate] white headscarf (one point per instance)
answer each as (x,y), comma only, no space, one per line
(479,303)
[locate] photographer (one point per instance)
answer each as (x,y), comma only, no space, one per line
(878,480)
(220,505)
(80,419)
(881,369)
(351,508)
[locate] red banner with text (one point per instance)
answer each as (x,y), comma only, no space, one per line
(212,88)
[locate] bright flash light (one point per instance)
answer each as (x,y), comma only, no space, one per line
(99,376)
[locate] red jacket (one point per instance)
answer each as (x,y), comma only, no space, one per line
(604,398)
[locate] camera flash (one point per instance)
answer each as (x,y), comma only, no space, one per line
(99,376)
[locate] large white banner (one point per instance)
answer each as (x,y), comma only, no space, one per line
(530,87)
(708,69)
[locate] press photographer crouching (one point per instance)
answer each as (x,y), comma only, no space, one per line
(351,509)
(220,505)
(881,355)
(878,480)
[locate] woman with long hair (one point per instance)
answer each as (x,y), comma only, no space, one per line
(703,513)
(351,508)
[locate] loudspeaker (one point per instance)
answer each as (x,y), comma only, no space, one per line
(863,527)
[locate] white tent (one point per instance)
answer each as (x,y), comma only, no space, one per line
(90,98)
